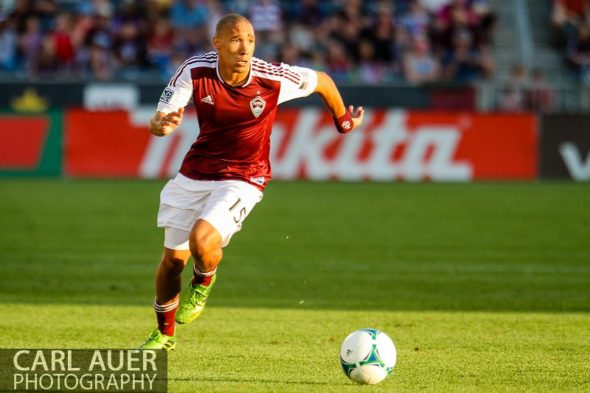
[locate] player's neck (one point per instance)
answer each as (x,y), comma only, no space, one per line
(232,78)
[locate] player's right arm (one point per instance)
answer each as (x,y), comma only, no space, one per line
(162,124)
(171,105)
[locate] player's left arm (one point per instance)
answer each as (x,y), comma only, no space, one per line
(345,119)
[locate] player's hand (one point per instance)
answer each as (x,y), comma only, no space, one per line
(357,115)
(163,124)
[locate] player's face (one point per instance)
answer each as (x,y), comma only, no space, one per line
(235,46)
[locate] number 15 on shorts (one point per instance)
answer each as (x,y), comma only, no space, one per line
(240,214)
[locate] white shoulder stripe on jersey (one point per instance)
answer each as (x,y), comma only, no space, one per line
(190,66)
(274,69)
(205,56)
(261,74)
(275,76)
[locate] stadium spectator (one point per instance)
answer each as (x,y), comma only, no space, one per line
(21,12)
(45,63)
(64,46)
(160,44)
(419,63)
(382,33)
(486,20)
(187,14)
(540,95)
(567,16)
(307,12)
(434,6)
(266,18)
(369,71)
(30,42)
(513,97)
(338,64)
(130,50)
(8,45)
(301,37)
(579,53)
(466,62)
(456,16)
(416,21)
(226,170)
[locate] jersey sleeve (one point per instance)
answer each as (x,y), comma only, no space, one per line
(296,82)
(178,92)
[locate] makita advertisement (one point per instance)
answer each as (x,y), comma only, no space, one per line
(392,145)
(565,150)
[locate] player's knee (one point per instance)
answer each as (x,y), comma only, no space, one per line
(201,246)
(202,243)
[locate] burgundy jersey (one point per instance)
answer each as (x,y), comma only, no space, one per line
(235,122)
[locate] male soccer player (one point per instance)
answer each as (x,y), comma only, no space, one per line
(225,171)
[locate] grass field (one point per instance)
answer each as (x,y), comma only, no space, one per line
(483,287)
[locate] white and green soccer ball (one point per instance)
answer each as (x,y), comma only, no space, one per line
(367,356)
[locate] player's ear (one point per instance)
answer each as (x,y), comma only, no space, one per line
(215,42)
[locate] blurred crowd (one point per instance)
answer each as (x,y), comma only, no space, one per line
(370,42)
(571,21)
(526,90)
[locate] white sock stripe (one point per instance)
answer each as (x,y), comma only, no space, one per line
(170,305)
(200,273)
(166,307)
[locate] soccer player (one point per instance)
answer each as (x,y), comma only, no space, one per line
(226,170)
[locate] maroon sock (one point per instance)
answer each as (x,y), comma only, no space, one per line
(165,315)
(200,278)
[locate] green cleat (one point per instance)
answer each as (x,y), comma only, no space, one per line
(157,340)
(193,302)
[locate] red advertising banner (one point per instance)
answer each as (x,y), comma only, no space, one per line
(391,145)
(23,139)
(30,144)
(103,144)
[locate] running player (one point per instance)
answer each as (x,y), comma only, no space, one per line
(226,170)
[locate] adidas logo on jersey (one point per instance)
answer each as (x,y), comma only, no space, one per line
(208,100)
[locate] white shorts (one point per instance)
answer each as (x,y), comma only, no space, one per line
(224,204)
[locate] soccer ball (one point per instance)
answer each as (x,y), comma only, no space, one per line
(367,356)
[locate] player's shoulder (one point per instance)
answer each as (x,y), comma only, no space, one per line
(205,60)
(208,59)
(274,71)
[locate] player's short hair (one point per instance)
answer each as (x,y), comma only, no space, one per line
(228,21)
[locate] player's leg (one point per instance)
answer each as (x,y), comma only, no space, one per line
(168,281)
(227,207)
(205,247)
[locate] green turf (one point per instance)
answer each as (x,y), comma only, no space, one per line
(483,287)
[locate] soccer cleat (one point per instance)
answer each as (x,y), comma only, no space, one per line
(193,302)
(157,340)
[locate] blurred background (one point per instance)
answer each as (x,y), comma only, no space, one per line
(457,89)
